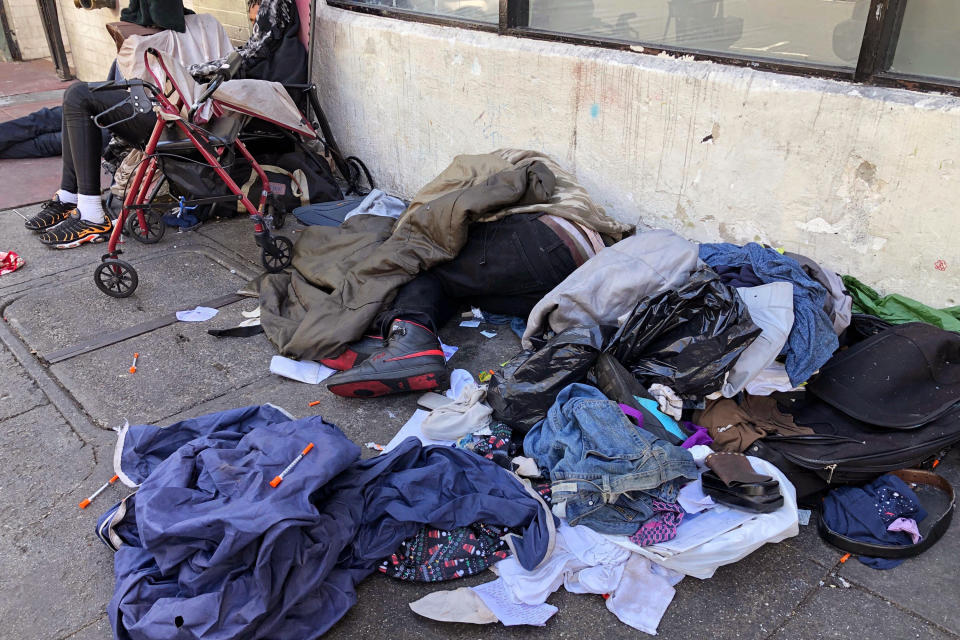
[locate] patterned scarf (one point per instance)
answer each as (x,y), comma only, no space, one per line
(274,18)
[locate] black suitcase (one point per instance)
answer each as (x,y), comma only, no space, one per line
(844,450)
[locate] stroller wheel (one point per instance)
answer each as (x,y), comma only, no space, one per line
(155,227)
(277,254)
(116,278)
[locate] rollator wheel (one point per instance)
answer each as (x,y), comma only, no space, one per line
(116,278)
(156,227)
(279,255)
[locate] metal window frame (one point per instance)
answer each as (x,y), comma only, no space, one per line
(13,47)
(881,32)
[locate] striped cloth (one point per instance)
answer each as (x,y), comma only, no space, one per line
(582,242)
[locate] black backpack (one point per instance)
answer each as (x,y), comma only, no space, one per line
(296,179)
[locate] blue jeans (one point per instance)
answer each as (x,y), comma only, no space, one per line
(35,135)
(606,470)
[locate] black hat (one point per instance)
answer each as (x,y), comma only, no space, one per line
(902,377)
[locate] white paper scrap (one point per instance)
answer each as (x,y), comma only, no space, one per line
(694,532)
(472,324)
(448,351)
(306,371)
(803,515)
(692,499)
(495,595)
(200,314)
(489,334)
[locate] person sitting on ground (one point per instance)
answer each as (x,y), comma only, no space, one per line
(75,215)
(505,267)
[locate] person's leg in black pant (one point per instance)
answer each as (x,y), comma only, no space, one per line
(505,267)
(80,177)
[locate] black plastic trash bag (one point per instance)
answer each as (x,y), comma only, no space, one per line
(686,338)
(526,387)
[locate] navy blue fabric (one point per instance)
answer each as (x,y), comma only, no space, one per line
(145,446)
(221,554)
(327,214)
(607,470)
(864,514)
(812,340)
(35,135)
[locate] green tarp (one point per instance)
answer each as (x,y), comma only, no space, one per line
(899,309)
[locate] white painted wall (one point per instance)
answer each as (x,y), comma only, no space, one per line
(864,180)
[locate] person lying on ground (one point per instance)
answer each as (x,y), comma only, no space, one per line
(505,267)
(35,135)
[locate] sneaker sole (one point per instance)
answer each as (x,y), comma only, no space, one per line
(377,388)
(91,239)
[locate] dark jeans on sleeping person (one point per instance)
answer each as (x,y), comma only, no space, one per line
(35,135)
(505,267)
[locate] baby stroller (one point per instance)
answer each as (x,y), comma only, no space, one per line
(206,120)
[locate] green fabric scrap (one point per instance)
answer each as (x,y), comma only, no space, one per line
(899,309)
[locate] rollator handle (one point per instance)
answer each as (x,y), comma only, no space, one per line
(106,85)
(226,71)
(230,66)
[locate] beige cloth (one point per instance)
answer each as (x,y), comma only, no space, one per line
(463,416)
(569,200)
(459,605)
(204,39)
(262,99)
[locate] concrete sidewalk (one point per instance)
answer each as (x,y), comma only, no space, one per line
(26,87)
(57,445)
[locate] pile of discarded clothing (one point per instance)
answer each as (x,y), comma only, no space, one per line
(670,406)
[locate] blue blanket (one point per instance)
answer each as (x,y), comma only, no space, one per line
(213,551)
(812,340)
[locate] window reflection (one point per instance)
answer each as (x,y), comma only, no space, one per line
(802,31)
(929,43)
(479,10)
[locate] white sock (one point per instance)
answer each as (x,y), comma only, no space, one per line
(66,196)
(91,208)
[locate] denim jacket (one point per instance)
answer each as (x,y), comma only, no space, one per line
(605,469)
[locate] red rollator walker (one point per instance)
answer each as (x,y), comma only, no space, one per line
(206,119)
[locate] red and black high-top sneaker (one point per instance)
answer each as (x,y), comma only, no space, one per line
(411,360)
(355,353)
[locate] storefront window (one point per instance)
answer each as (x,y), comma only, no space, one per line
(801,31)
(478,10)
(929,43)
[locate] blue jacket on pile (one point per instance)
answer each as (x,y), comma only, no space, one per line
(812,340)
(213,551)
